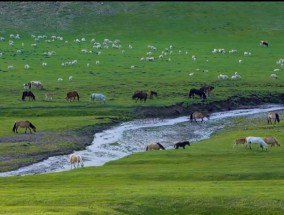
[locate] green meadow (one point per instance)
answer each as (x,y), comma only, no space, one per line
(209,177)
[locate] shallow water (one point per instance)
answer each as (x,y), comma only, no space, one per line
(131,137)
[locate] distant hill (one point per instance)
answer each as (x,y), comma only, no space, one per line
(141,17)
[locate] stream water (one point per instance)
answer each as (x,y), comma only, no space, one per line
(131,137)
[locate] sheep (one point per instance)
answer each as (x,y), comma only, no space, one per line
(273,76)
(223,77)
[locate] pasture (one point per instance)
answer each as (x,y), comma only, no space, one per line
(170,51)
(210,176)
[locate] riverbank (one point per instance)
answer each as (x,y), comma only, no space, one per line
(79,139)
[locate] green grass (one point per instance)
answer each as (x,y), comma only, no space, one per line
(199,180)
(209,177)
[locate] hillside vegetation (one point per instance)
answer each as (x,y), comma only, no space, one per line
(201,179)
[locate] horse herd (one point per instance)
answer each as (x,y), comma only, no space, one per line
(138,95)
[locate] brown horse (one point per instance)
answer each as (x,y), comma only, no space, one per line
(24,124)
(207,89)
(272,116)
(272,141)
(198,115)
(240,141)
(71,96)
(155,146)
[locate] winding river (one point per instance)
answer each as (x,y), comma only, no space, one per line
(131,137)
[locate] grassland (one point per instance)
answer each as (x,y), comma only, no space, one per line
(199,180)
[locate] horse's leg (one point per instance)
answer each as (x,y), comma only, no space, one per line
(30,130)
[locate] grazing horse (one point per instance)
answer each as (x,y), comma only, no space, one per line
(240,141)
(139,95)
(272,141)
(152,94)
(24,124)
(263,43)
(181,144)
(272,116)
(155,146)
(194,91)
(36,84)
(75,160)
(98,96)
(71,96)
(198,115)
(48,96)
(28,94)
(256,140)
(207,89)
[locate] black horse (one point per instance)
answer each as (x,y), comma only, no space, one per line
(28,94)
(199,92)
(140,95)
(181,144)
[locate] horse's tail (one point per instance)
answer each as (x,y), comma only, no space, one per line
(147,148)
(14,127)
(23,96)
(277,117)
(162,147)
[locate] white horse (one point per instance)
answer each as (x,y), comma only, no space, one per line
(37,84)
(75,160)
(98,96)
(256,140)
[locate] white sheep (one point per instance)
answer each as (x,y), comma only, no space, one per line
(273,76)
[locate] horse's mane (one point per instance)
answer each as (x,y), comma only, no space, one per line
(277,117)
(159,144)
(14,127)
(32,126)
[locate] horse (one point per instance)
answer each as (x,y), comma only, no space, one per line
(27,86)
(23,124)
(152,94)
(198,115)
(272,116)
(48,96)
(28,94)
(98,96)
(181,144)
(240,141)
(75,160)
(36,84)
(256,140)
(139,95)
(154,146)
(263,43)
(272,141)
(71,96)
(198,92)
(207,89)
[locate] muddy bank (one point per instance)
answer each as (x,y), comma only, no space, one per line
(232,103)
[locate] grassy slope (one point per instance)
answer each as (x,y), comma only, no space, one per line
(219,180)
